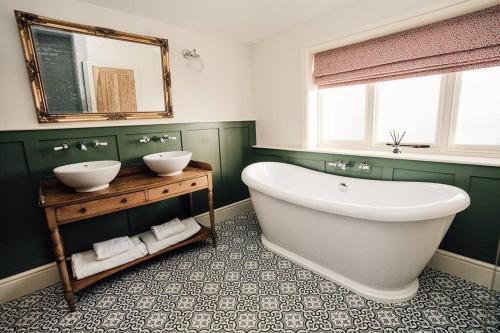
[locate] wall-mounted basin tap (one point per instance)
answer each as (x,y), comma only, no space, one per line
(81,146)
(144,139)
(163,138)
(63,146)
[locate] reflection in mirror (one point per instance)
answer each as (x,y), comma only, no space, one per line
(89,74)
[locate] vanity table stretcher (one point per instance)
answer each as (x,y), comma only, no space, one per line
(133,187)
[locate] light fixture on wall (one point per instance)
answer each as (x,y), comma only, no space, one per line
(194,61)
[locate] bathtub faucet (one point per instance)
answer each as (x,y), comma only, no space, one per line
(341,165)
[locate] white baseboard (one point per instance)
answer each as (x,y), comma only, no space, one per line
(225,212)
(38,278)
(27,282)
(466,268)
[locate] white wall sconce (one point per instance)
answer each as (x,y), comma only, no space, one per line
(193,58)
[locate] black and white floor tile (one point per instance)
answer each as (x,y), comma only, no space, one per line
(242,287)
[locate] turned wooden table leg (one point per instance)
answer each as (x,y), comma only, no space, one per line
(58,248)
(191,204)
(211,211)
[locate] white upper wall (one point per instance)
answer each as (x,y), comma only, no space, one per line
(279,64)
(222,92)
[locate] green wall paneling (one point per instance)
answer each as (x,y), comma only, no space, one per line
(235,143)
(51,159)
(307,163)
(423,176)
(28,157)
(136,150)
(268,158)
(473,233)
(204,144)
(480,236)
(142,218)
(79,236)
(20,229)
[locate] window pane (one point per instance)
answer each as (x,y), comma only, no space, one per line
(343,113)
(478,118)
(409,105)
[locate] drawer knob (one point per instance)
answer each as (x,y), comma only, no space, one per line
(165,191)
(193,184)
(124,200)
(83,210)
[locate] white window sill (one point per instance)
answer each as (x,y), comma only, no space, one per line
(486,161)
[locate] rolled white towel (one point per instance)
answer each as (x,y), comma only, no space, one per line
(168,229)
(85,263)
(154,245)
(112,247)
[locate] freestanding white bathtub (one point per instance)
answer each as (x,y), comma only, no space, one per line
(373,237)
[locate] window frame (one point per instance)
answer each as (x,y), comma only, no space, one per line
(478,150)
(445,127)
(346,143)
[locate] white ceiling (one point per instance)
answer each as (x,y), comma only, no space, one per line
(245,21)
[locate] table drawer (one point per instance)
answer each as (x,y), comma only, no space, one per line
(96,207)
(164,191)
(173,189)
(194,184)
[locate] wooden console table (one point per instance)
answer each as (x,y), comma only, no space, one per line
(133,187)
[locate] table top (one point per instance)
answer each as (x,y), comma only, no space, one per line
(54,193)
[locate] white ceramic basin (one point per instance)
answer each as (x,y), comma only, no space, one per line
(88,176)
(168,163)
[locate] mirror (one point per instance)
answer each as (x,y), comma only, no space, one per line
(80,72)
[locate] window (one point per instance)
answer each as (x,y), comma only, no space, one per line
(410,105)
(343,116)
(478,108)
(449,114)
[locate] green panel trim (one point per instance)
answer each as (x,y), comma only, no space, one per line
(29,157)
(235,143)
(400,174)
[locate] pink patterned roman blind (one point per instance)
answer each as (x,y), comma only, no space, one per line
(461,43)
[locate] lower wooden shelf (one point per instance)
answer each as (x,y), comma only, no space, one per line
(133,187)
(80,284)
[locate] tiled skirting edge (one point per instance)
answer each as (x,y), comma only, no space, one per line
(24,283)
(466,268)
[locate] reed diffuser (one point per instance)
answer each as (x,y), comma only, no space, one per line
(396,141)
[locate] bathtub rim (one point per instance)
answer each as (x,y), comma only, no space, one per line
(383,296)
(381,213)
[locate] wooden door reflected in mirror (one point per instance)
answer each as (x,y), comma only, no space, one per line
(114,89)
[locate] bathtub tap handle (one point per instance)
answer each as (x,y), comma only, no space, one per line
(364,166)
(341,165)
(144,139)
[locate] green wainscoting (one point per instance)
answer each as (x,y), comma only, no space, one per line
(28,157)
(474,232)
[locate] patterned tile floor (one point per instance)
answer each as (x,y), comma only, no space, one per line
(242,287)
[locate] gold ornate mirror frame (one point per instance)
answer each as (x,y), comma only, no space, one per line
(26,20)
